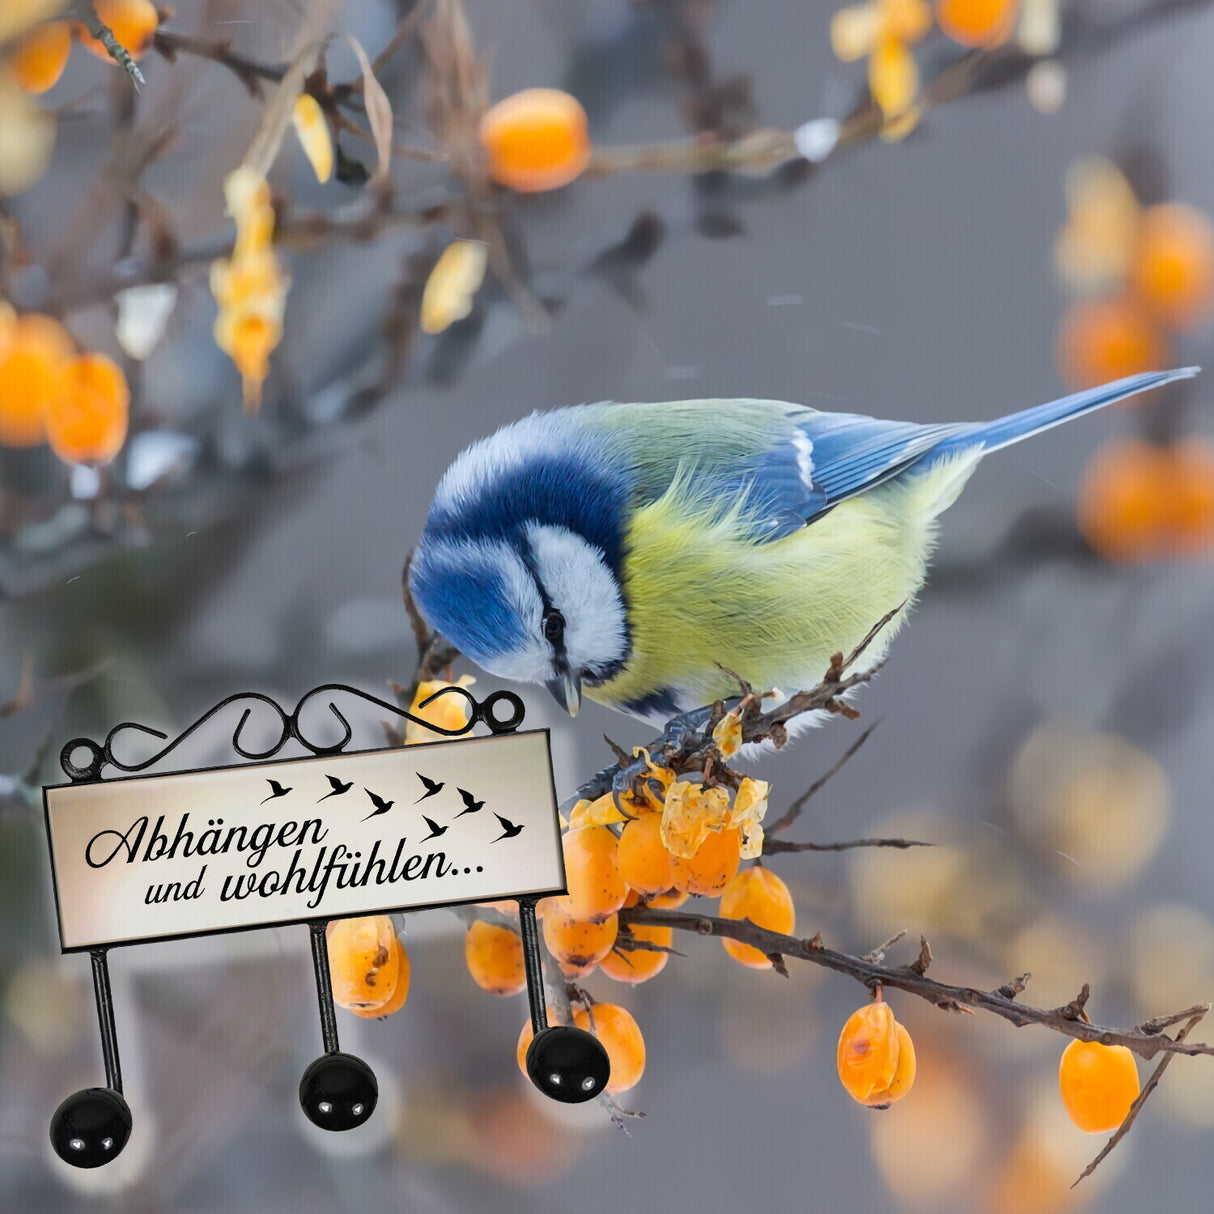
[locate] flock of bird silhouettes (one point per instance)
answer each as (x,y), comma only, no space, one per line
(339,788)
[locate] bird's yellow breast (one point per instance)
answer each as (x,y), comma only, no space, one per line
(700,592)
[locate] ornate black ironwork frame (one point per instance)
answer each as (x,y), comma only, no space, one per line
(101,756)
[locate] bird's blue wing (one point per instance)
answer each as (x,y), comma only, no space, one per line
(827,458)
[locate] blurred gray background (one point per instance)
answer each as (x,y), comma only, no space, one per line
(910,280)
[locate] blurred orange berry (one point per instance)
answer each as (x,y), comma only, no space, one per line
(592,871)
(1123,500)
(87,422)
(577,944)
(977,22)
(712,868)
(39,58)
(643,859)
(875,1056)
(621,1037)
(536,140)
(636,965)
(759,895)
(363,964)
(1098,1084)
(1173,264)
(1191,521)
(1105,339)
(494,956)
(400,991)
(33,362)
(450,711)
(132,22)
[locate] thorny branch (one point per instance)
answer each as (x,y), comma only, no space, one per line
(1146,1040)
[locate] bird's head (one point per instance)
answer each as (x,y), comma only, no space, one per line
(519,562)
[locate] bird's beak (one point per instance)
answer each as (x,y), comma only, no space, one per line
(566,691)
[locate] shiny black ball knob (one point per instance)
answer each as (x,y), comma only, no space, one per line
(338,1092)
(91,1127)
(568,1064)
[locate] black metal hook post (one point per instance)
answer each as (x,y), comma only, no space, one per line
(324,985)
(532,964)
(105,1018)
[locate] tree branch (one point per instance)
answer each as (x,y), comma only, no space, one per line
(1145,1040)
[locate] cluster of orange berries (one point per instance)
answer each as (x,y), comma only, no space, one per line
(674,840)
(38,58)
(883,30)
(50,392)
(368,966)
(1140,273)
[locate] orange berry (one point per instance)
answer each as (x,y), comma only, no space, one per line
(672,899)
(400,992)
(759,895)
(1098,1084)
(620,1037)
(592,871)
(536,140)
(524,1040)
(87,422)
(643,859)
(494,956)
(977,22)
(1191,518)
(636,965)
(875,1057)
(1123,500)
(363,965)
(40,57)
(577,944)
(1173,264)
(712,868)
(32,365)
(1104,339)
(132,22)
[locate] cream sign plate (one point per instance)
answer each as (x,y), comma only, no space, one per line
(153,857)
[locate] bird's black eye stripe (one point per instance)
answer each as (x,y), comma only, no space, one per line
(553,625)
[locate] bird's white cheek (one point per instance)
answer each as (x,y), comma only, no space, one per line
(581,585)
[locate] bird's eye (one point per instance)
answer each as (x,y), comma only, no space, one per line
(553,625)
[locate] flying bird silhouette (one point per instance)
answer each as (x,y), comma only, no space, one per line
(435,829)
(338,787)
(279,791)
(509,830)
(381,806)
(471,804)
(432,786)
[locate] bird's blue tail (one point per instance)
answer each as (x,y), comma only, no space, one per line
(1011,429)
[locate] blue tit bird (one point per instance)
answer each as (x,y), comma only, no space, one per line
(629,551)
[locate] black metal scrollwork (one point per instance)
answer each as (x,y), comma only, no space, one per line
(102,755)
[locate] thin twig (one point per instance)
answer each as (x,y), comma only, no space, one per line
(793,812)
(773,847)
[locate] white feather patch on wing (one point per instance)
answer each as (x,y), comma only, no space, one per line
(584,590)
(804,447)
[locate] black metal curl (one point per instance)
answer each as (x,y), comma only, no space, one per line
(102,755)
